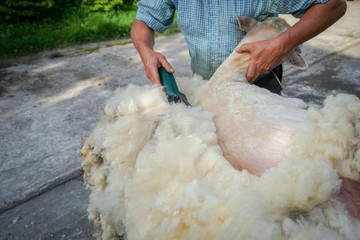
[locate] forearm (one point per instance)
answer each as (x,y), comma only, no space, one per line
(144,40)
(315,20)
(142,37)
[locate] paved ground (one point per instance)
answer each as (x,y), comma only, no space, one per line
(49,103)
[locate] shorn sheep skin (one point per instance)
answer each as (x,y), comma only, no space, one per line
(243,163)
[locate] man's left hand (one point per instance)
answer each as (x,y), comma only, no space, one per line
(265,55)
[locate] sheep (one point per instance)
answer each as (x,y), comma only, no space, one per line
(165,171)
(234,102)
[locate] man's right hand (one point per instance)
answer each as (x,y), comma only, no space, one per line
(144,40)
(152,62)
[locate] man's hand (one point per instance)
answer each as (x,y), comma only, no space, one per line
(265,55)
(152,62)
(143,39)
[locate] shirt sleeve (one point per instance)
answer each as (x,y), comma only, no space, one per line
(157,14)
(297,7)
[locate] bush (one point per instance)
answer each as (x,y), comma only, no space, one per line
(66,24)
(20,9)
(105,5)
(70,26)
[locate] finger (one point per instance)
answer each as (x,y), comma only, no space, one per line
(166,65)
(257,74)
(253,79)
(250,72)
(154,75)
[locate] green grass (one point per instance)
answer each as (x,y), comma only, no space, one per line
(74,26)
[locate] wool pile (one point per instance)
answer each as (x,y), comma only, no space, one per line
(156,171)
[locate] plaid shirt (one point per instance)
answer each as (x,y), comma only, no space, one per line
(210,27)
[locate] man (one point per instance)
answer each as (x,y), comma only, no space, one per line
(211,31)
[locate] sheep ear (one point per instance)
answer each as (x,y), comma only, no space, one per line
(295,59)
(246,23)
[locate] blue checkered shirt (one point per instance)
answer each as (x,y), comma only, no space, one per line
(210,27)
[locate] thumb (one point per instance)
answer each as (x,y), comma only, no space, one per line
(245,48)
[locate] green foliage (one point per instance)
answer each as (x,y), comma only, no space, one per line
(129,2)
(78,26)
(19,9)
(67,3)
(66,24)
(105,5)
(98,27)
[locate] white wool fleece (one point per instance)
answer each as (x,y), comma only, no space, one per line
(156,171)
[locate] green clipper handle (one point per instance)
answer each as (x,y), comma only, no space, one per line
(168,81)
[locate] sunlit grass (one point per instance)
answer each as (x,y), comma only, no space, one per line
(77,26)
